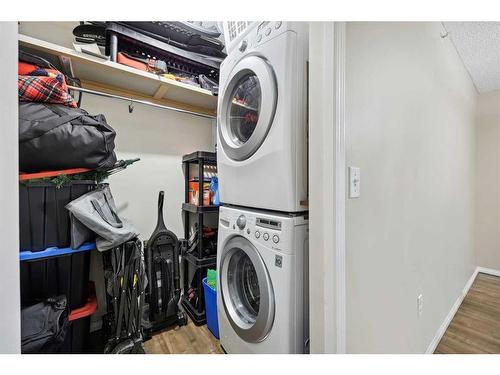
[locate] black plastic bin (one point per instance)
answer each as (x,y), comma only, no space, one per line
(43,218)
(77,336)
(66,274)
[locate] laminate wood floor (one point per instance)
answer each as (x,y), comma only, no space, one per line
(188,339)
(476,325)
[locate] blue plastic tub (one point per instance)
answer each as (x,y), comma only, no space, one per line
(211,308)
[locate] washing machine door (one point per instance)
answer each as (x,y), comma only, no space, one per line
(247,292)
(248,104)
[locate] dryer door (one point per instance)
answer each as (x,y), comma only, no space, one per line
(247,292)
(247,108)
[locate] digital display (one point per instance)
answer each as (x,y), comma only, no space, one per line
(271,224)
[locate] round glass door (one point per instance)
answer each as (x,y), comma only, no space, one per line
(247,108)
(246,290)
(244,108)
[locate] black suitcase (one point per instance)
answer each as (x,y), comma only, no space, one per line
(162,262)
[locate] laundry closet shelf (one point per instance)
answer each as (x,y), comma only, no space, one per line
(201,262)
(199,209)
(198,318)
(117,79)
(209,158)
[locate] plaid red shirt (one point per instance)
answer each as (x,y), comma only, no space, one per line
(50,88)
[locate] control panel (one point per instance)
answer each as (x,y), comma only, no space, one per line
(267,30)
(277,232)
(258,35)
(265,230)
(262,33)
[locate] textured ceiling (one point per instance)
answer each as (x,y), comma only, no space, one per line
(478,44)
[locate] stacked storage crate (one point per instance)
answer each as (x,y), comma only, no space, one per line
(200,229)
(48,266)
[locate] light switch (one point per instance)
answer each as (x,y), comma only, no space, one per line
(354,182)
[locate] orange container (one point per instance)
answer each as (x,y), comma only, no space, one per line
(194,193)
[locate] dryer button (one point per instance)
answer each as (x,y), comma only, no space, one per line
(243,45)
(276,239)
(278,261)
(278,24)
(265,236)
(268,31)
(259,38)
(248,231)
(257,234)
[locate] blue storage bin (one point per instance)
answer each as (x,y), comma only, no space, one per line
(211,308)
(54,272)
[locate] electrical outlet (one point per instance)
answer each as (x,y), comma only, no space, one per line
(420,304)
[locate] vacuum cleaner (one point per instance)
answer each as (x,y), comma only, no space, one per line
(162,262)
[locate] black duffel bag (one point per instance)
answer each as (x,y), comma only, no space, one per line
(44,326)
(54,137)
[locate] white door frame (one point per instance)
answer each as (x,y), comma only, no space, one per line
(327,187)
(10,324)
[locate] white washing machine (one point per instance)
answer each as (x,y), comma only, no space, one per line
(262,119)
(262,288)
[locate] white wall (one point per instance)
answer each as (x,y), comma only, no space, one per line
(10,326)
(60,33)
(410,127)
(488,180)
(159,138)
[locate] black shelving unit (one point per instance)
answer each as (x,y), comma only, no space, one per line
(199,209)
(193,298)
(196,262)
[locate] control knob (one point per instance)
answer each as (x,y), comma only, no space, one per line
(241,222)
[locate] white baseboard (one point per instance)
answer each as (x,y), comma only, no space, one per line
(489,271)
(442,329)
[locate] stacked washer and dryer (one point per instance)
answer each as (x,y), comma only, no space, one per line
(262,258)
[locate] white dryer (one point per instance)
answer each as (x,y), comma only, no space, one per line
(262,119)
(262,285)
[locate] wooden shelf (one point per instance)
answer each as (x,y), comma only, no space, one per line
(113,78)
